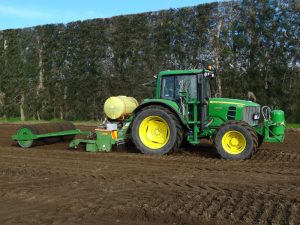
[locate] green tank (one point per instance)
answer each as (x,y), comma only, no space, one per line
(277,117)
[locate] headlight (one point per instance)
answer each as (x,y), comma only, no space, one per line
(256,116)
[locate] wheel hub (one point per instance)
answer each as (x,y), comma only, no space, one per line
(154,132)
(24,132)
(234,142)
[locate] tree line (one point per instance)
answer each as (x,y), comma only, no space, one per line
(68,70)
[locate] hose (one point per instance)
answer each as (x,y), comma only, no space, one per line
(266,112)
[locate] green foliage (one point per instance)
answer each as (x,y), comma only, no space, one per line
(67,71)
(12,120)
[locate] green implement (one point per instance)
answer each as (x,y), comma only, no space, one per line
(27,135)
(102,143)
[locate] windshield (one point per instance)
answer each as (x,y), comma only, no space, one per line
(171,86)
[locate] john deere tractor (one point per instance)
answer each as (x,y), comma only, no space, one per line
(182,109)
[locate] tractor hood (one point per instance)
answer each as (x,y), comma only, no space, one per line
(232,102)
(222,109)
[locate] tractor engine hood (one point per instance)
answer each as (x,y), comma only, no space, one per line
(223,109)
(232,102)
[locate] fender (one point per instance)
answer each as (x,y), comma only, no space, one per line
(171,105)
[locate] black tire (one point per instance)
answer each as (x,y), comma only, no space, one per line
(246,131)
(175,136)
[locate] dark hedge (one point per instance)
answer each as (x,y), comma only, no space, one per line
(67,71)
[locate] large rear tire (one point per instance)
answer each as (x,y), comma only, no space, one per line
(156,130)
(236,140)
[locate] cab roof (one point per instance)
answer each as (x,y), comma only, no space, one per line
(177,72)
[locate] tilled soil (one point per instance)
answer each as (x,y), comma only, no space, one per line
(49,184)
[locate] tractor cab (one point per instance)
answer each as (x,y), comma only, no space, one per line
(195,82)
(191,91)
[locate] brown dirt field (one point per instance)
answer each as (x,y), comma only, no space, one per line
(53,185)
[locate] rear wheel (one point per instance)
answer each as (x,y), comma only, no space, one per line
(156,130)
(236,140)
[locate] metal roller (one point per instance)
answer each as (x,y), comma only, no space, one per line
(47,133)
(68,126)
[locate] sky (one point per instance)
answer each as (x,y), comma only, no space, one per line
(28,13)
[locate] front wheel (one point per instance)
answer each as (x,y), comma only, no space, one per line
(236,140)
(156,130)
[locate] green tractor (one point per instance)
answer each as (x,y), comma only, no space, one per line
(184,109)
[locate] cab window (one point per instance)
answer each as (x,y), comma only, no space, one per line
(171,86)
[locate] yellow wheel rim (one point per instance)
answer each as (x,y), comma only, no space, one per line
(154,132)
(234,142)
